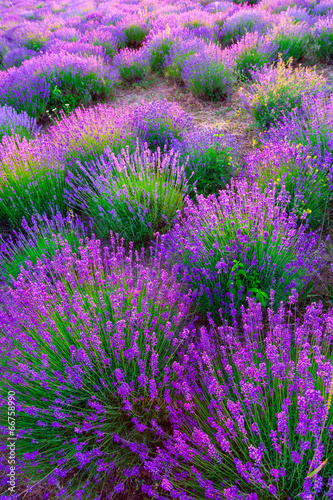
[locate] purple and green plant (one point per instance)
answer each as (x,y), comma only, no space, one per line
(294,169)
(254,416)
(136,194)
(280,89)
(89,352)
(38,241)
(241,243)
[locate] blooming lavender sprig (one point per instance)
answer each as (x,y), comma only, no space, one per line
(239,244)
(253,417)
(102,334)
(20,124)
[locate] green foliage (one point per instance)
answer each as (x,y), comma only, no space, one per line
(158,53)
(210,170)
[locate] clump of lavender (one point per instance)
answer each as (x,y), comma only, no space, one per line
(322,38)
(299,15)
(277,90)
(180,51)
(161,123)
(250,53)
(291,39)
(30,35)
(159,45)
(253,418)
(135,194)
(32,180)
(244,21)
(15,57)
(86,133)
(241,243)
(322,8)
(132,65)
(107,38)
(19,124)
(38,241)
(102,334)
(293,168)
(135,32)
(55,81)
(207,74)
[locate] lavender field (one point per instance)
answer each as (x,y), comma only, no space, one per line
(166,265)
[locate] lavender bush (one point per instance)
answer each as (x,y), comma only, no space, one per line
(31,180)
(208,74)
(244,21)
(280,89)
(55,81)
(136,195)
(239,244)
(20,124)
(210,159)
(250,53)
(312,126)
(161,123)
(38,241)
(89,359)
(132,65)
(254,417)
(291,39)
(322,38)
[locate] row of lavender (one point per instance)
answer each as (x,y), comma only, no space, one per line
(115,377)
(60,62)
